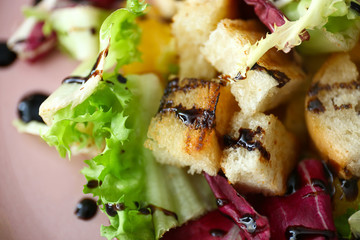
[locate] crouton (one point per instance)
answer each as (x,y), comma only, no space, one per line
(332,112)
(259,154)
(269,83)
(192,25)
(184,132)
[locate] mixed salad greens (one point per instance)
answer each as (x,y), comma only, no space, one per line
(111,113)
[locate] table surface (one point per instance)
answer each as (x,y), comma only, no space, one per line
(39,190)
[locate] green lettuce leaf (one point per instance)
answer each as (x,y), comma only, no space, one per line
(339,33)
(141,198)
(310,15)
(32,127)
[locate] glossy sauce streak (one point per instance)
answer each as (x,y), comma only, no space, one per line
(292,183)
(319,183)
(154,208)
(75,79)
(196,117)
(294,233)
(330,177)
(280,77)
(249,223)
(93,72)
(350,188)
(246,140)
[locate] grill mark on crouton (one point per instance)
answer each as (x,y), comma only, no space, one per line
(279,76)
(342,106)
(318,87)
(188,84)
(247,141)
(315,105)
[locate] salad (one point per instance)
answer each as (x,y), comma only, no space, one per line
(109,107)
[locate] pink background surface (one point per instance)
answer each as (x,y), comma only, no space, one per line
(38,190)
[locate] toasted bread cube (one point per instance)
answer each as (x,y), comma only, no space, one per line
(192,25)
(259,154)
(332,112)
(184,133)
(270,82)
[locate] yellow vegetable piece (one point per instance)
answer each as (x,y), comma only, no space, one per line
(157,47)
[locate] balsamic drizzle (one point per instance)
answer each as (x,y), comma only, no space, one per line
(247,141)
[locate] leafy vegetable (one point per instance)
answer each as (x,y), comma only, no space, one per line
(314,16)
(354,222)
(214,225)
(340,32)
(251,224)
(342,224)
(306,210)
(77,29)
(33,127)
(114,116)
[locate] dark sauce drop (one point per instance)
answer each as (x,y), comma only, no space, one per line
(93,184)
(294,233)
(86,209)
(144,211)
(111,209)
(350,188)
(7,56)
(246,140)
(121,78)
(249,223)
(217,232)
(28,107)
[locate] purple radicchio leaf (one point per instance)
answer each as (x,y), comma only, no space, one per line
(305,213)
(232,204)
(37,45)
(213,226)
(271,15)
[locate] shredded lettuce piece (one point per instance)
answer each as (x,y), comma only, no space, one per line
(315,16)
